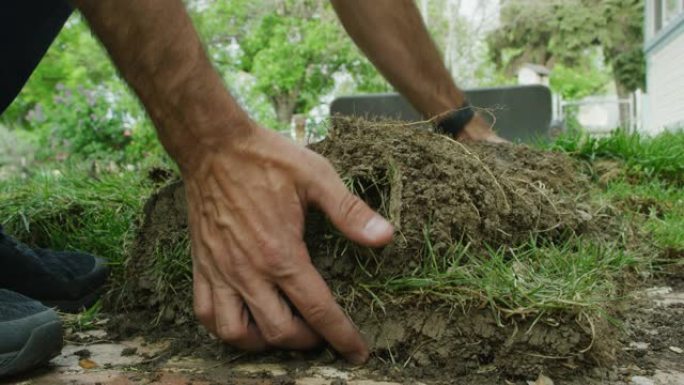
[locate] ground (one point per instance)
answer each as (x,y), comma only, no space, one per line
(529,262)
(652,354)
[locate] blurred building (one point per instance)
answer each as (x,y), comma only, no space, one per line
(533,74)
(663,105)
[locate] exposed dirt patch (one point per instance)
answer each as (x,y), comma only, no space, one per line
(438,193)
(480,194)
(654,325)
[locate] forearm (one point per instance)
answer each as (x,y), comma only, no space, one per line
(157,50)
(393,36)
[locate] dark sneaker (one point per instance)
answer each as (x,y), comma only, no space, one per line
(70,281)
(30,333)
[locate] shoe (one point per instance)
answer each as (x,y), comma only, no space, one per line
(69,281)
(30,333)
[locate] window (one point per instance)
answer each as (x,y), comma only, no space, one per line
(664,12)
(672,9)
(658,16)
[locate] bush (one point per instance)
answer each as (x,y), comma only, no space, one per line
(90,123)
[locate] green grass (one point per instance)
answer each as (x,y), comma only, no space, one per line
(660,157)
(532,280)
(657,205)
(70,209)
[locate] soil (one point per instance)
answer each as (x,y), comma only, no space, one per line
(477,194)
(650,355)
(438,193)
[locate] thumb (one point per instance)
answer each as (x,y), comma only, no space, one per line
(349,213)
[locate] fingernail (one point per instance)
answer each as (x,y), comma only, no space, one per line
(358,359)
(377,227)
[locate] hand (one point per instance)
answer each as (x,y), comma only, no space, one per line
(479,130)
(247,205)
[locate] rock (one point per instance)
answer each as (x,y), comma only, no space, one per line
(639,380)
(639,345)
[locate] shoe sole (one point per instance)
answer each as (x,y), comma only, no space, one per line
(44,342)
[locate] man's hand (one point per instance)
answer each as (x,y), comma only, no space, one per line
(479,130)
(247,206)
(247,188)
(393,36)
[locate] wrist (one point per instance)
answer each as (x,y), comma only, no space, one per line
(198,117)
(453,122)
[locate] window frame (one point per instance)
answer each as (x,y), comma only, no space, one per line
(660,17)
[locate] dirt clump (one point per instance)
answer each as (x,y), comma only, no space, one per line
(438,191)
(439,194)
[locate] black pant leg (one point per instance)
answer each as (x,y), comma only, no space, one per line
(27,28)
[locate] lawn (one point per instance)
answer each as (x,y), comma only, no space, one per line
(635,191)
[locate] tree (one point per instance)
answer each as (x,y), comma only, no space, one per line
(293,50)
(294,54)
(459,29)
(547,32)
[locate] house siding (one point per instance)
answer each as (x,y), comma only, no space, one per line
(662,106)
(665,83)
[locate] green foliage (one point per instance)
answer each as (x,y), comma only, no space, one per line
(294,53)
(574,84)
(81,122)
(76,105)
(291,49)
(366,78)
(561,31)
(72,209)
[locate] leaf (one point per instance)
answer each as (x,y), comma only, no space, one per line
(87,363)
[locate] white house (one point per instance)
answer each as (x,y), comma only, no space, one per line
(663,106)
(533,74)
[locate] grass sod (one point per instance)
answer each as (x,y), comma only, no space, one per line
(578,276)
(71,209)
(659,157)
(536,280)
(656,205)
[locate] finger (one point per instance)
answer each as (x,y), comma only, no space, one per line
(203,301)
(279,326)
(347,212)
(232,321)
(311,296)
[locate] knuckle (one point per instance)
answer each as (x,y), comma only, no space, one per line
(349,206)
(319,313)
(281,334)
(231,333)
(203,312)
(272,255)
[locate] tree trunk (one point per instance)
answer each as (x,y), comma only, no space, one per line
(624,110)
(300,128)
(284,106)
